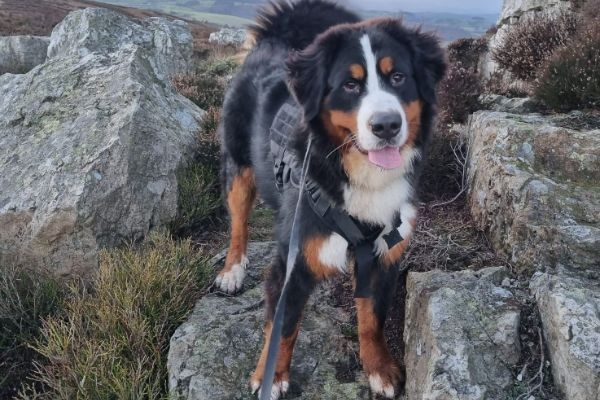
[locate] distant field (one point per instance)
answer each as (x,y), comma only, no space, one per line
(240,12)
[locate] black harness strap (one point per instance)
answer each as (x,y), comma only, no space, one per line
(360,236)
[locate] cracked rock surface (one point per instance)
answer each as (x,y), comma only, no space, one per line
(213,354)
(534,186)
(92,141)
(570,309)
(461,335)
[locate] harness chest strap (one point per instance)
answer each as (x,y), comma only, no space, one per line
(361,237)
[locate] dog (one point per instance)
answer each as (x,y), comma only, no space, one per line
(365,94)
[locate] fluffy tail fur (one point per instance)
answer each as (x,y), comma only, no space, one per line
(298,23)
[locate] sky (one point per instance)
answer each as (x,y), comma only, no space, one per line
(456,6)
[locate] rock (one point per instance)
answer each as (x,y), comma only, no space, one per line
(570,310)
(534,186)
(91,145)
(20,54)
(461,335)
(228,37)
(495,102)
(168,44)
(519,11)
(212,355)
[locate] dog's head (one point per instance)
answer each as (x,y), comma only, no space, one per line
(367,85)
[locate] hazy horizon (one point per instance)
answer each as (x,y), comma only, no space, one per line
(453,6)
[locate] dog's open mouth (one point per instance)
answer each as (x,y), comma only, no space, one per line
(386,158)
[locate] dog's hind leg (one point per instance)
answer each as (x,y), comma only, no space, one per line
(240,192)
(379,365)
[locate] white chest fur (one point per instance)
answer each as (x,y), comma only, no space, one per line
(377,206)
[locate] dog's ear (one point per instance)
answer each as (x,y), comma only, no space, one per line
(307,74)
(428,57)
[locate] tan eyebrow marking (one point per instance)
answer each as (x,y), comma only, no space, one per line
(386,65)
(357,72)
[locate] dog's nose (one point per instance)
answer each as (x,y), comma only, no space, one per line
(386,125)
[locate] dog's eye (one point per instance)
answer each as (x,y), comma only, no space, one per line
(397,78)
(352,86)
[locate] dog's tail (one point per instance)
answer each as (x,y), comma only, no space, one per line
(297,23)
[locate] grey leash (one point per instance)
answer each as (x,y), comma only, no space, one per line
(277,325)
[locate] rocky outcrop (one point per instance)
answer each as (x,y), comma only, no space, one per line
(570,310)
(228,37)
(517,105)
(212,355)
(519,11)
(92,141)
(534,187)
(20,54)
(461,335)
(515,12)
(167,45)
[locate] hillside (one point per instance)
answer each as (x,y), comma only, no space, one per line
(238,13)
(38,17)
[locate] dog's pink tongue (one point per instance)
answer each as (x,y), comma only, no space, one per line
(388,158)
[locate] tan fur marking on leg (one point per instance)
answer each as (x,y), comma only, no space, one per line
(240,201)
(284,357)
(394,254)
(374,354)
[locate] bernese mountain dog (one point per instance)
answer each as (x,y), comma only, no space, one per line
(365,94)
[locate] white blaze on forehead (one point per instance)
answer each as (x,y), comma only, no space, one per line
(376,100)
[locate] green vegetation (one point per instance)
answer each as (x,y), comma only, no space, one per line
(27,298)
(199,191)
(111,340)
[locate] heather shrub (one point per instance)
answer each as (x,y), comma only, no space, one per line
(570,79)
(112,340)
(466,51)
(458,93)
(527,46)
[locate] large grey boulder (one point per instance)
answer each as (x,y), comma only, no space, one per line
(167,44)
(461,335)
(213,354)
(534,186)
(570,310)
(91,145)
(20,54)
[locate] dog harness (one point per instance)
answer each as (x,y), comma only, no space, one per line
(360,236)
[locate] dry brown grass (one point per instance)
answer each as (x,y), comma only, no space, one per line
(111,340)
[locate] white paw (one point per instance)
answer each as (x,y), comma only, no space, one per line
(277,390)
(231,281)
(378,387)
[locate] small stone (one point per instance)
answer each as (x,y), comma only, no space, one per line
(506,282)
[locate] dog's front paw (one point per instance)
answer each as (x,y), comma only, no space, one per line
(281,384)
(386,379)
(230,279)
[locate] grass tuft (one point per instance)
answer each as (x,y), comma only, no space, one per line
(111,341)
(27,297)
